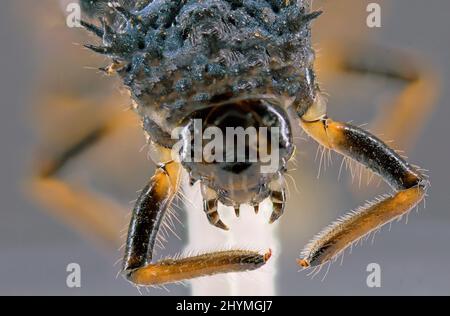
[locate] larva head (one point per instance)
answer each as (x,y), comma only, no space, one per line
(239,149)
(179,56)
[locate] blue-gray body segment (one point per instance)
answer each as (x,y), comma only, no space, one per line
(181,56)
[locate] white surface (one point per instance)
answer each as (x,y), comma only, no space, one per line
(249,231)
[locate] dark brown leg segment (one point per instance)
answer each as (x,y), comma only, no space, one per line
(363,147)
(147,216)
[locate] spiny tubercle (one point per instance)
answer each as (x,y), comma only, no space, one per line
(337,237)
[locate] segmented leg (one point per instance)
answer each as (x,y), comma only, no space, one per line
(237,211)
(148,215)
(278,198)
(210,207)
(404,118)
(361,146)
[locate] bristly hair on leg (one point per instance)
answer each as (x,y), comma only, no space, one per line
(357,225)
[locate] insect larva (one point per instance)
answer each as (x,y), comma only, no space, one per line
(334,239)
(171,270)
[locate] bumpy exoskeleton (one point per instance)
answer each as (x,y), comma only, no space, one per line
(231,64)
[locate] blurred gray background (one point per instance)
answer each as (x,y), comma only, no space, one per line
(35,248)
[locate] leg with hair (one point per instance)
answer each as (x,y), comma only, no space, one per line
(79,206)
(409,184)
(148,215)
